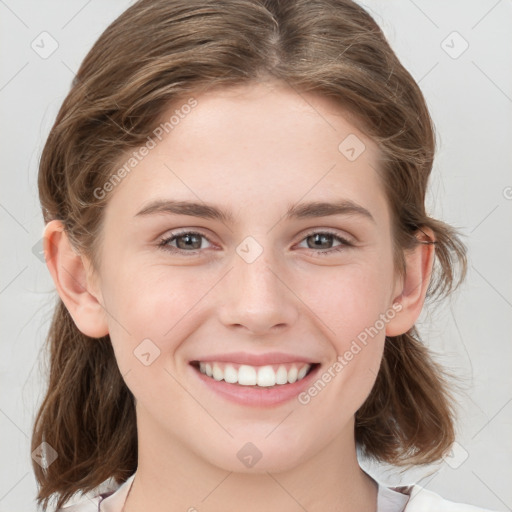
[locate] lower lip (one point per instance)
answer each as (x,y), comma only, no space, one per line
(257,396)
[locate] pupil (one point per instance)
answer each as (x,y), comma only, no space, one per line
(188,239)
(318,239)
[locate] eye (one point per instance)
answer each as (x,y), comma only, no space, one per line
(191,242)
(324,240)
(184,241)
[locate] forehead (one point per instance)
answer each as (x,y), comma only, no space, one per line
(254,143)
(270,113)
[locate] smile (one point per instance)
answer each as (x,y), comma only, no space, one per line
(255,385)
(260,376)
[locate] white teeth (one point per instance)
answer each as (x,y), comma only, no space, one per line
(292,374)
(230,374)
(302,373)
(264,376)
(282,375)
(218,374)
(247,375)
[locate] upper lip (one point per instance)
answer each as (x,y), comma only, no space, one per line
(255,359)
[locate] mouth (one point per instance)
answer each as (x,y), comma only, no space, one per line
(267,376)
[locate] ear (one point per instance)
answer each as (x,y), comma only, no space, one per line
(72,275)
(412,288)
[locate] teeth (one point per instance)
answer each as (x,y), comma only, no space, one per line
(266,376)
(230,374)
(247,375)
(263,376)
(281,375)
(217,373)
(302,373)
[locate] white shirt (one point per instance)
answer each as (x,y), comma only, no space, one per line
(412,498)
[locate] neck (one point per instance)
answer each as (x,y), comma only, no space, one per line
(175,478)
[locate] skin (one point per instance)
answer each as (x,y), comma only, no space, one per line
(254,149)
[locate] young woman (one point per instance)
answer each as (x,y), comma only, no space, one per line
(234,198)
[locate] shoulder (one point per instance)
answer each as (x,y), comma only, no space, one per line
(423,500)
(108,497)
(84,504)
(90,502)
(419,500)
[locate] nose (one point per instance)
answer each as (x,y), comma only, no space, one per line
(256,297)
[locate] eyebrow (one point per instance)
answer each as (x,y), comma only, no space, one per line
(299,211)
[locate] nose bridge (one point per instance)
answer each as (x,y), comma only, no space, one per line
(259,277)
(256,296)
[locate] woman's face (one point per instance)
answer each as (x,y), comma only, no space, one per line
(262,279)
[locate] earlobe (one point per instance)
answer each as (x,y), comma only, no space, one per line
(70,274)
(419,262)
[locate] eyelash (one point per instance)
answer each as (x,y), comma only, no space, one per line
(163,244)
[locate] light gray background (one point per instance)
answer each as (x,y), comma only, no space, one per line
(470,98)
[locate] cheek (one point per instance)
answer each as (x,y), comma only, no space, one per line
(352,308)
(349,300)
(144,309)
(150,315)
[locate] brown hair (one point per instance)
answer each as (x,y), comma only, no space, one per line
(157,52)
